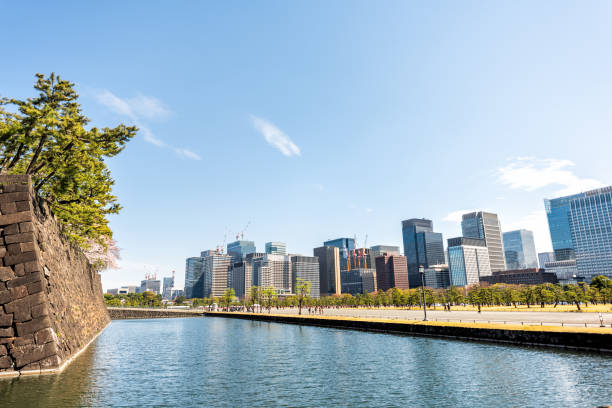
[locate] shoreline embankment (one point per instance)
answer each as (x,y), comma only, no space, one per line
(574,338)
(125,313)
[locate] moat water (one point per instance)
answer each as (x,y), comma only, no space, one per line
(218,362)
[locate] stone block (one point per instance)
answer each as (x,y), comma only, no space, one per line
(19,269)
(5,297)
(21,258)
(15,217)
(8,208)
(12,188)
(24,280)
(11,229)
(34,287)
(16,238)
(29,301)
(14,249)
(16,196)
(32,326)
(7,332)
(6,362)
(23,206)
(26,227)
(23,314)
(27,246)
(7,340)
(39,310)
(24,341)
(45,336)
(6,319)
(6,273)
(29,354)
(2,251)
(50,362)
(3,350)
(32,266)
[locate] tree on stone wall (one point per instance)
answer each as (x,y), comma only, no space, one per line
(46,137)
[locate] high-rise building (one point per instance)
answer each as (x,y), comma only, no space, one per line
(168,286)
(391,272)
(485,225)
(276,248)
(306,268)
(355,281)
(193,273)
(150,284)
(545,257)
(468,261)
(273,271)
(519,249)
(566,271)
(558,214)
(437,277)
(591,224)
(215,267)
(239,249)
(346,247)
(329,270)
(380,250)
(422,247)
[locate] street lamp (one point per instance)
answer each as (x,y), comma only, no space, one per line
(422,272)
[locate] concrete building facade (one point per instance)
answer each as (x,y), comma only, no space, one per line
(485,225)
(329,270)
(468,261)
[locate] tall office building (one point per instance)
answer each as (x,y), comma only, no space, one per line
(566,271)
(545,257)
(380,250)
(437,277)
(485,225)
(422,247)
(468,261)
(193,273)
(558,215)
(273,271)
(329,269)
(150,285)
(591,224)
(215,267)
(391,272)
(168,286)
(276,248)
(239,249)
(519,250)
(306,268)
(355,281)
(346,247)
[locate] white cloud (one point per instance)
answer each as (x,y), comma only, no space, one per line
(275,137)
(139,108)
(456,216)
(535,221)
(528,173)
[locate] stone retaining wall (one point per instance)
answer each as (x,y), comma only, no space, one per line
(118,313)
(50,296)
(573,340)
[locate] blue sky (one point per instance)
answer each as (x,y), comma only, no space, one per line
(315,120)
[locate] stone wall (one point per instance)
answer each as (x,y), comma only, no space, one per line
(51,298)
(123,313)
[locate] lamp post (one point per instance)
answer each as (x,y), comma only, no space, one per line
(422,272)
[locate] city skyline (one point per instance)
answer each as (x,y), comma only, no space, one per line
(454,107)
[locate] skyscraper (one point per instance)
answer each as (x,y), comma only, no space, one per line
(168,286)
(545,257)
(276,248)
(239,249)
(468,261)
(591,225)
(329,270)
(422,247)
(193,273)
(519,249)
(273,271)
(485,225)
(215,267)
(306,268)
(346,246)
(391,272)
(558,214)
(380,250)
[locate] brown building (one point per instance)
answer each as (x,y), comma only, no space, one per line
(532,276)
(391,272)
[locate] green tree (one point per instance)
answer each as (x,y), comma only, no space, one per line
(228,298)
(255,295)
(604,286)
(46,137)
(268,295)
(179,300)
(302,290)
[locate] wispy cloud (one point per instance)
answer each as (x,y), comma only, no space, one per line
(456,216)
(529,174)
(275,136)
(139,108)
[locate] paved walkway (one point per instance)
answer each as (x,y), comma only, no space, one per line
(527,318)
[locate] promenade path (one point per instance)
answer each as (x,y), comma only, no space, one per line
(526,318)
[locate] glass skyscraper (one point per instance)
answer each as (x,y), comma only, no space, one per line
(276,248)
(422,247)
(468,261)
(485,225)
(519,249)
(239,249)
(558,214)
(346,245)
(193,273)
